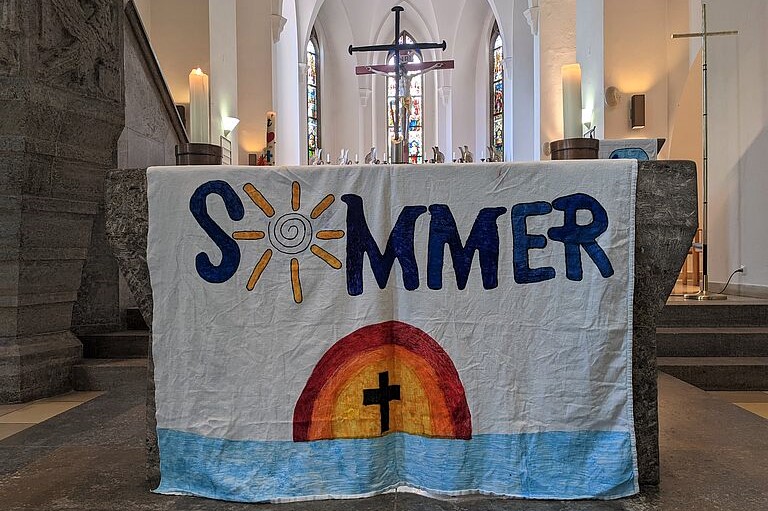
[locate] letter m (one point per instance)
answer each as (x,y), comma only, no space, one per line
(484,238)
(399,246)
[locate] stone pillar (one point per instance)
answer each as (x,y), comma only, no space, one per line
(61,113)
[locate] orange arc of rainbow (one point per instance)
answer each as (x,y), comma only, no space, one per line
(437,409)
(407,345)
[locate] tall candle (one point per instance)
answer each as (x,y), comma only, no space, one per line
(572,101)
(271,119)
(199,108)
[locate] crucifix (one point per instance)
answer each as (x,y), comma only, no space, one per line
(381,397)
(704,293)
(402,71)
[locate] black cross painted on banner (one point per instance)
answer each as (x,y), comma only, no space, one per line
(401,68)
(381,397)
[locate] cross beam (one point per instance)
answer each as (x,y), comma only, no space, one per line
(411,67)
(399,68)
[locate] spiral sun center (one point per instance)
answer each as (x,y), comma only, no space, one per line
(291,233)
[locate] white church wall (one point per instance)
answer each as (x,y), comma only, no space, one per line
(254,75)
(637,35)
(470,35)
(591,55)
(223,75)
(523,135)
(738,142)
(339,85)
(286,85)
(482,90)
(557,42)
(180,37)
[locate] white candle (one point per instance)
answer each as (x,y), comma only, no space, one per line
(199,108)
(572,101)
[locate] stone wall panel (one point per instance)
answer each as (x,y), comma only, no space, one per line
(61,113)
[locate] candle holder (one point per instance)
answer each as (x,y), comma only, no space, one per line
(575,149)
(198,154)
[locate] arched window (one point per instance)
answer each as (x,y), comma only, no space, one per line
(313,95)
(415,126)
(496,59)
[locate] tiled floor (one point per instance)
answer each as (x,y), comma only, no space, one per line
(17,418)
(755,402)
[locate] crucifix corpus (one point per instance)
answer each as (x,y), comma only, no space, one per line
(402,71)
(704,293)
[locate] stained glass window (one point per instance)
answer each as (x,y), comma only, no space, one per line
(313,95)
(415,114)
(497,92)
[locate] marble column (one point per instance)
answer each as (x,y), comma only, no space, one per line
(445,119)
(61,113)
(364,136)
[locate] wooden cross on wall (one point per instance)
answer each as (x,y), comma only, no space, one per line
(401,67)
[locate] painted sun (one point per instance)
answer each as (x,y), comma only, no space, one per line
(291,233)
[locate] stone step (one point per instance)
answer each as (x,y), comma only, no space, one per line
(127,344)
(728,313)
(134,320)
(719,373)
(110,374)
(712,342)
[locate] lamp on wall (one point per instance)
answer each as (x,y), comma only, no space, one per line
(637,111)
(228,124)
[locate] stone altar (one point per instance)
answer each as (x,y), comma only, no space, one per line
(666,221)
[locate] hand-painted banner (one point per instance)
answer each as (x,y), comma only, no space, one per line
(346,331)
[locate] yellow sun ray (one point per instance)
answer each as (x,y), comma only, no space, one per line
(295,281)
(259,269)
(329,235)
(322,206)
(326,256)
(248,235)
(296,196)
(259,200)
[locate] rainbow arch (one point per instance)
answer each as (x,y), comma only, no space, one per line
(430,396)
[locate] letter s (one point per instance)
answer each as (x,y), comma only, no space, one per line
(230,251)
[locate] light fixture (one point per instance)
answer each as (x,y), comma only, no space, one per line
(228,124)
(637,111)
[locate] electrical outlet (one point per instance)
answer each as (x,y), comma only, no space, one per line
(742,269)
